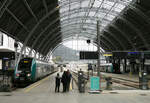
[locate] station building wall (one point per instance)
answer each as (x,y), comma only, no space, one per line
(6,42)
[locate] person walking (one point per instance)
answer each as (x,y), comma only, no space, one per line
(57,83)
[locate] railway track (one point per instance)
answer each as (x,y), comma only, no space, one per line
(75,77)
(126,82)
(122,81)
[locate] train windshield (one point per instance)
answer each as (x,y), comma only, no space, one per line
(25,64)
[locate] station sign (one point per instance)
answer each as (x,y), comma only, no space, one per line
(119,54)
(132,54)
(107,54)
(7,55)
(135,55)
(147,55)
(94,81)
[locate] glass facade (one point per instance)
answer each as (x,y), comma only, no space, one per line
(80,16)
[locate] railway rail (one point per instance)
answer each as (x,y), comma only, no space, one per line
(126,82)
(75,77)
(122,81)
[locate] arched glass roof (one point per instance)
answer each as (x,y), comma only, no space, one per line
(79,17)
(43,24)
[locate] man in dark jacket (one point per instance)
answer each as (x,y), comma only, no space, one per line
(64,81)
(57,83)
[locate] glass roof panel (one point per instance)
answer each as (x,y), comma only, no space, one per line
(81,15)
(84,3)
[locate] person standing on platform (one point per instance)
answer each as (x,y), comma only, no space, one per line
(69,76)
(64,81)
(57,83)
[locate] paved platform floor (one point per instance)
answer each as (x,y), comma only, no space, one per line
(43,92)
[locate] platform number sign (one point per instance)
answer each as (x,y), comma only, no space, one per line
(94,83)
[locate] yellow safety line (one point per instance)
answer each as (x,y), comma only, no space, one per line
(35,85)
(71,85)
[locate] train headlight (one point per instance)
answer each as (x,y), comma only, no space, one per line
(28,75)
(17,74)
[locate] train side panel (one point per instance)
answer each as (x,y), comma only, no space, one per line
(38,71)
(42,70)
(33,70)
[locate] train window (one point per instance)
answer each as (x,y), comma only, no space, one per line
(25,65)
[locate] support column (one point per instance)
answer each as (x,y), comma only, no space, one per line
(25,52)
(98,48)
(35,55)
(119,65)
(125,65)
(16,54)
(39,56)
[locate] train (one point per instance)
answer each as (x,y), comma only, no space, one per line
(111,68)
(106,67)
(30,70)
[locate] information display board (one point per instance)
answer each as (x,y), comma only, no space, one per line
(88,55)
(135,55)
(120,55)
(146,55)
(7,55)
(128,54)
(94,81)
(0,64)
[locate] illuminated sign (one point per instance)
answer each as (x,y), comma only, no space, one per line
(107,55)
(5,58)
(88,55)
(133,52)
(26,61)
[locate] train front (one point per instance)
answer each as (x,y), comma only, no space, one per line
(23,72)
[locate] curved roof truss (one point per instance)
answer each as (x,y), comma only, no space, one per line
(42,24)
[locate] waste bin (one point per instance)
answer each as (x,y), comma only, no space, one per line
(143,80)
(108,83)
(81,82)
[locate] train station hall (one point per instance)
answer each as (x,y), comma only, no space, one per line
(74,51)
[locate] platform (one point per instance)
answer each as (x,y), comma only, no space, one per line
(43,92)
